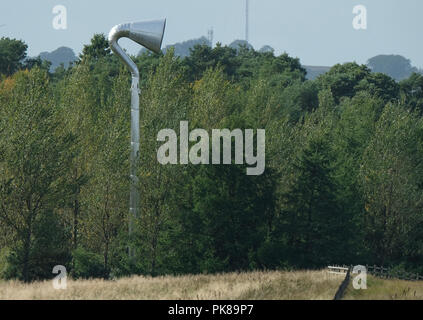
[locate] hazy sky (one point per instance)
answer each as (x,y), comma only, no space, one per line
(319,32)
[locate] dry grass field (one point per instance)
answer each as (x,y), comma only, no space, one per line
(380,289)
(307,285)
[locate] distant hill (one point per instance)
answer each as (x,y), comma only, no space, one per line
(240,43)
(265,49)
(395,66)
(61,55)
(182,49)
(314,71)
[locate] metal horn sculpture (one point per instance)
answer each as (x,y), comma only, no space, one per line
(148,34)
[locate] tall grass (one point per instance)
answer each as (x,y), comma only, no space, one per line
(307,285)
(381,289)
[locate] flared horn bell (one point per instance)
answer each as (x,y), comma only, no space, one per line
(148,34)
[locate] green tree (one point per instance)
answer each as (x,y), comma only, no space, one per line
(391,176)
(12,55)
(105,195)
(34,158)
(204,57)
(98,48)
(395,66)
(163,105)
(380,86)
(342,79)
(228,219)
(312,218)
(412,92)
(351,136)
(78,101)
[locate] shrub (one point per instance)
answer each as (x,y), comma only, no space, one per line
(87,264)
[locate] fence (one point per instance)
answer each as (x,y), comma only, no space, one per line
(380,272)
(344,285)
(388,273)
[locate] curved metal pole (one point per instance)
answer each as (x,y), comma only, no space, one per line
(117,33)
(150,35)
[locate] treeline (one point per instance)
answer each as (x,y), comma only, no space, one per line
(343,180)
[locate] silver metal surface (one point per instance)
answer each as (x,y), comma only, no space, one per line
(150,35)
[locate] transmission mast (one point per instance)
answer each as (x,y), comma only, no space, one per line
(210,36)
(247,20)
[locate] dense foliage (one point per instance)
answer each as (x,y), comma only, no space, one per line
(343,180)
